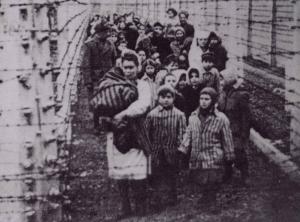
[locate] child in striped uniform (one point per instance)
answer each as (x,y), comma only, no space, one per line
(165,126)
(208,137)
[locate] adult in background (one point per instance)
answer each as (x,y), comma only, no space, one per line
(181,44)
(127,141)
(189,28)
(159,43)
(235,104)
(99,55)
(215,46)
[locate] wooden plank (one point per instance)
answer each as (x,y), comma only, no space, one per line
(280,159)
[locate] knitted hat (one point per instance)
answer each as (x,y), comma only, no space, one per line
(208,56)
(211,92)
(164,89)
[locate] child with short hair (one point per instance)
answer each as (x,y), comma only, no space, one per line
(165,126)
(210,76)
(179,102)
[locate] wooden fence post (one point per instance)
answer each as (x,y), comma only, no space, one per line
(293,86)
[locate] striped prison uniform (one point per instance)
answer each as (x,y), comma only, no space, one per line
(114,93)
(210,141)
(165,128)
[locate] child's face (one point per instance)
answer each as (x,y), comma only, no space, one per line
(141,30)
(150,70)
(142,55)
(182,82)
(122,46)
(195,79)
(202,41)
(158,30)
(205,101)
(207,65)
(166,100)
(170,14)
(179,35)
(171,81)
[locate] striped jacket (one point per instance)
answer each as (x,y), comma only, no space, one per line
(165,128)
(210,142)
(114,93)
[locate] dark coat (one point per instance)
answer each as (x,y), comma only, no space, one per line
(114,94)
(99,57)
(177,47)
(189,30)
(179,102)
(236,108)
(131,36)
(162,46)
(191,96)
(219,51)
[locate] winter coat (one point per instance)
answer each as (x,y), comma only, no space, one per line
(219,51)
(189,30)
(162,46)
(191,96)
(99,57)
(235,105)
(114,94)
(177,47)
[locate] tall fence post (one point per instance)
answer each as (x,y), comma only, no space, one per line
(273,33)
(293,86)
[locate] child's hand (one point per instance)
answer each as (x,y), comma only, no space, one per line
(119,118)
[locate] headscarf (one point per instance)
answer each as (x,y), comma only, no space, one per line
(196,52)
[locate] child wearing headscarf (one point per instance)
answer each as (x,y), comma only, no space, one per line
(208,138)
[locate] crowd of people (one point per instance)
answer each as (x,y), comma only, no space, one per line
(167,102)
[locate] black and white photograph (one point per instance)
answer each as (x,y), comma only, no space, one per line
(150,110)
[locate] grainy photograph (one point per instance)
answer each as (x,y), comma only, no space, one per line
(149,110)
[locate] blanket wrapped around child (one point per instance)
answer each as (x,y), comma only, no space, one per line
(114,94)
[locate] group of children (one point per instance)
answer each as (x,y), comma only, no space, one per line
(199,118)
